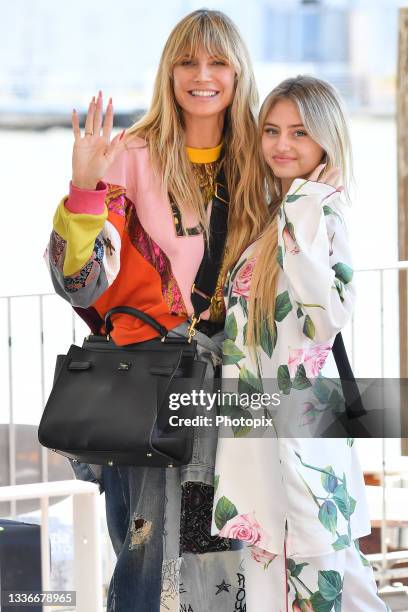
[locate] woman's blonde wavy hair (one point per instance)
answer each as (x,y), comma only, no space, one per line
(162,128)
(321,110)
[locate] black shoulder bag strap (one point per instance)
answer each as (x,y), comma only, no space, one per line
(352,398)
(351,393)
(205,283)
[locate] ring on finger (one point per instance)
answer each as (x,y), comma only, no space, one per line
(89,133)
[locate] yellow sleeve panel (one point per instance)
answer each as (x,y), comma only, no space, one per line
(79,230)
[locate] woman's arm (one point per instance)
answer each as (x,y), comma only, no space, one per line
(83,254)
(315,257)
(84,249)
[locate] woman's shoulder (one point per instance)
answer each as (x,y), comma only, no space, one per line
(130,161)
(138,161)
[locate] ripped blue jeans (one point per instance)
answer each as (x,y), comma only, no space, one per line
(143,509)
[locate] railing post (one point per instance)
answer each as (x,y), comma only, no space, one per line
(384,543)
(44,451)
(11,430)
(45,557)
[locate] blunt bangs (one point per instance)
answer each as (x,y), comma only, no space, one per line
(209,31)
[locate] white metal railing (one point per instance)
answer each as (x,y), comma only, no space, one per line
(379,270)
(400,265)
(384,572)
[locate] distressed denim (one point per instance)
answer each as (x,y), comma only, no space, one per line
(135,518)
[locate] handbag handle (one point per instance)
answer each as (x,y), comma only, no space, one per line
(138,314)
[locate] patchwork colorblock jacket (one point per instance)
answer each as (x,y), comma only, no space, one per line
(125,244)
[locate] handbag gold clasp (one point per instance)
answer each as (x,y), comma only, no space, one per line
(191,327)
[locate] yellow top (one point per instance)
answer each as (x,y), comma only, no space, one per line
(204,156)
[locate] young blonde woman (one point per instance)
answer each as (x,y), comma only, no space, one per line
(296,501)
(133,232)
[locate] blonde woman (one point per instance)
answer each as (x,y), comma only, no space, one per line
(296,501)
(133,231)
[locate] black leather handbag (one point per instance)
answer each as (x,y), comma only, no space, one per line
(110,404)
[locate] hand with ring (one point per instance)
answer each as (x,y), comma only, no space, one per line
(331,177)
(94,151)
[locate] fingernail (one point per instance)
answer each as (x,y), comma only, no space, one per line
(110,100)
(99,93)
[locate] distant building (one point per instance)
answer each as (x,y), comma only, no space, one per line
(55,55)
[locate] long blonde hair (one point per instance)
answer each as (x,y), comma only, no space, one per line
(321,110)
(162,128)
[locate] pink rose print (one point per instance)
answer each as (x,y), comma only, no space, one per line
(242,527)
(315,358)
(290,244)
(242,281)
(261,555)
(295,359)
(308,413)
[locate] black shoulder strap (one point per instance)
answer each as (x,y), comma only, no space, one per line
(205,282)
(351,393)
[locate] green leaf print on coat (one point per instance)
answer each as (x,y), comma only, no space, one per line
(224,511)
(236,412)
(283,306)
(244,305)
(341,542)
(330,584)
(328,516)
(295,568)
(321,390)
(329,479)
(338,285)
(329,211)
(364,560)
(338,499)
(231,354)
(336,402)
(293,197)
(249,382)
(345,503)
(301,381)
(308,327)
(343,272)
(216,482)
(240,431)
(299,312)
(231,327)
(320,604)
(284,382)
(280,256)
(268,339)
(326,599)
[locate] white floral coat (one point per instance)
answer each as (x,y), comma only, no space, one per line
(310,488)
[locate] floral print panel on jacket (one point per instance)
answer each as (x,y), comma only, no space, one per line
(284,478)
